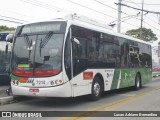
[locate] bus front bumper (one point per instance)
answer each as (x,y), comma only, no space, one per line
(57,91)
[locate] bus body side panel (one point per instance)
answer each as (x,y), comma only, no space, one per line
(82,83)
(126,77)
(113,79)
(123,78)
(146,75)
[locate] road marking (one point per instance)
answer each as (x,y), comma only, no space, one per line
(106,107)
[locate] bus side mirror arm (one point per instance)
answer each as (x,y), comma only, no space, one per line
(6,49)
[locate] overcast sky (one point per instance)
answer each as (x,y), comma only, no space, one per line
(102,10)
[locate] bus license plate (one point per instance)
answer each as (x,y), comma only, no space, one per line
(33,90)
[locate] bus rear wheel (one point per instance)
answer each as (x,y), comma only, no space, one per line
(137,82)
(96,89)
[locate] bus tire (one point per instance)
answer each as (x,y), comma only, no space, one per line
(137,82)
(96,89)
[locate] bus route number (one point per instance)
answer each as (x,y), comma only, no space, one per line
(40,82)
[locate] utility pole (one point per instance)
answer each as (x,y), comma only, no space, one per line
(141,29)
(119,16)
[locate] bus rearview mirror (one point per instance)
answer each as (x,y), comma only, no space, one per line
(9,38)
(76,41)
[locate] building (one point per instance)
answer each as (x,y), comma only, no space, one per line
(155,53)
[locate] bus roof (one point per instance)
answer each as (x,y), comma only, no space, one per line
(101,28)
(83,21)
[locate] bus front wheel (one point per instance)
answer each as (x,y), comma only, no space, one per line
(96,89)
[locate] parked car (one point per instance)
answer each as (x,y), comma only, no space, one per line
(156,68)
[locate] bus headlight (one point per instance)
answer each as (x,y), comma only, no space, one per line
(56,82)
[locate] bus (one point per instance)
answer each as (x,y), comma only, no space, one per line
(4,58)
(75,56)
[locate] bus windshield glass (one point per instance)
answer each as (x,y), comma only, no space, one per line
(37,49)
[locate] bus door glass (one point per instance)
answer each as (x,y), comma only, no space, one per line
(79,51)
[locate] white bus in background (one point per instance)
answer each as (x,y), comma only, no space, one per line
(76,56)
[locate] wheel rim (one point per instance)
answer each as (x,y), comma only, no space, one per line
(96,89)
(138,83)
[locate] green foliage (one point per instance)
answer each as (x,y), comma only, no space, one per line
(5,28)
(147,34)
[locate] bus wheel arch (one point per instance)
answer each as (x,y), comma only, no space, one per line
(97,87)
(138,81)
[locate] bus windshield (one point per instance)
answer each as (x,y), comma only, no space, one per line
(37,49)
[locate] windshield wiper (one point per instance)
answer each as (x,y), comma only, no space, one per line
(45,41)
(28,43)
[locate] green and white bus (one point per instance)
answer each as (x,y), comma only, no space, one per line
(76,56)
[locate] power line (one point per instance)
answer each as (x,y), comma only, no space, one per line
(105,4)
(92,9)
(152,26)
(40,4)
(138,9)
(44,5)
(37,3)
(148,18)
(130,24)
(100,12)
(145,22)
(109,6)
(13,18)
(149,24)
(141,3)
(140,6)
(15,13)
(12,21)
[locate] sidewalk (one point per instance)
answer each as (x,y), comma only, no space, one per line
(4,97)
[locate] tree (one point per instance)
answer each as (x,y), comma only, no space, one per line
(5,28)
(147,34)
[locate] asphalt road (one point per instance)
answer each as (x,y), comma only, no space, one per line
(145,99)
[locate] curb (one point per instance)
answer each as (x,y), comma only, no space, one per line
(5,100)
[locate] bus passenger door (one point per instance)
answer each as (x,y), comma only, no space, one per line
(80,86)
(79,57)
